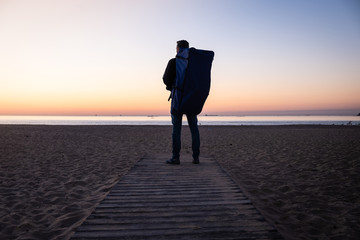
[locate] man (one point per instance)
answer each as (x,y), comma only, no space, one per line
(169,79)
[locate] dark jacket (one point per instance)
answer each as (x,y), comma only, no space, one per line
(169,77)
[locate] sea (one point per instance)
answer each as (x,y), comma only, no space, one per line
(166,120)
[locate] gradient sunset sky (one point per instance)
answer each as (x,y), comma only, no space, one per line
(107,57)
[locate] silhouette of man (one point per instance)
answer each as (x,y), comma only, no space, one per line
(169,79)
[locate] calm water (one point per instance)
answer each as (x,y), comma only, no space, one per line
(166,120)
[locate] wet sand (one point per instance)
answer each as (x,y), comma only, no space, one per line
(304,179)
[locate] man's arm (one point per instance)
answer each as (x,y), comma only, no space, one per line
(170,74)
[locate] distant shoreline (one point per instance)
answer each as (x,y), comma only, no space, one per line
(207,120)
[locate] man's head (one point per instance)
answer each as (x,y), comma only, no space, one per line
(181,44)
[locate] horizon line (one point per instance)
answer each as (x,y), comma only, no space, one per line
(306,112)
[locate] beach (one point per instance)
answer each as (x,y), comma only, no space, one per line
(304,179)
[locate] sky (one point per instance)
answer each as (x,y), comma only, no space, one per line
(107,57)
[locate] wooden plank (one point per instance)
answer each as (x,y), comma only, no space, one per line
(174,196)
(156,216)
(179,234)
(173,210)
(186,201)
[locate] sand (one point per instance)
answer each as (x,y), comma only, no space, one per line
(304,179)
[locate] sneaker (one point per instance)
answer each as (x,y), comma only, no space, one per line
(196,161)
(174,161)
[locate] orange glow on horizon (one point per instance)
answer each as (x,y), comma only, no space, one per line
(157,106)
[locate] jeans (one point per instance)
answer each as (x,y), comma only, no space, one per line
(176,135)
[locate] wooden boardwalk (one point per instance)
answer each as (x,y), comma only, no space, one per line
(159,201)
